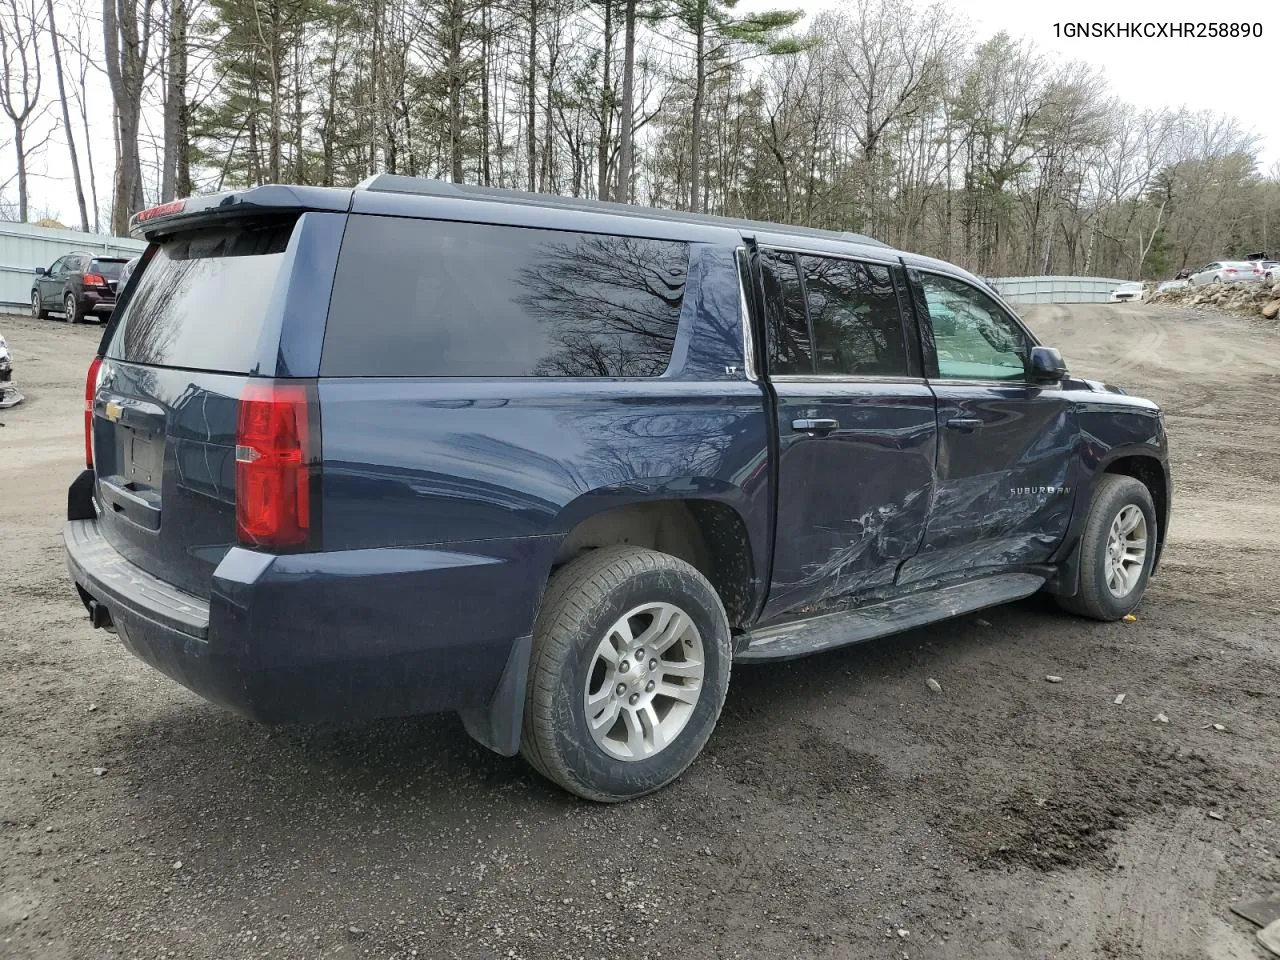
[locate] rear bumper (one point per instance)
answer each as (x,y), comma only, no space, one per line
(93,302)
(326,637)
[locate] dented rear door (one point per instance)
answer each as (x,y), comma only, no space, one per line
(856,428)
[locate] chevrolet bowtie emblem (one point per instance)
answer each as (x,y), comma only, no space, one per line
(111,410)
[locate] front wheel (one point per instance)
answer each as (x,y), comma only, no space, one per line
(630,666)
(38,311)
(71,308)
(1117,550)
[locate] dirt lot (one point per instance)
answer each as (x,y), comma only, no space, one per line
(841,810)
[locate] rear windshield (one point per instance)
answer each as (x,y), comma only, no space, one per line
(445,299)
(108,268)
(201,301)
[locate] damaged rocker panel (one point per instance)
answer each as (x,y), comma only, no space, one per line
(798,638)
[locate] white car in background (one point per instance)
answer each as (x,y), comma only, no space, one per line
(1127,292)
(1227,271)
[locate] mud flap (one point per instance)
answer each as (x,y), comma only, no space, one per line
(1065,581)
(80,497)
(497,726)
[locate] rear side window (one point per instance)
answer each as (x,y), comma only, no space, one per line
(832,316)
(202,300)
(788,329)
(443,299)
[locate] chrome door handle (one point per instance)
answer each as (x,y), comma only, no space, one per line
(815,426)
(964,423)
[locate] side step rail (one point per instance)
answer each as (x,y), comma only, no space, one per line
(798,638)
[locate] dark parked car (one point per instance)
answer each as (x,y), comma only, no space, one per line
(556,465)
(77,287)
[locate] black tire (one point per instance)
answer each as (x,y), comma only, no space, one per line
(71,308)
(38,312)
(1094,598)
(582,602)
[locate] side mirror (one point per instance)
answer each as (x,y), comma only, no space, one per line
(1047,365)
(42,271)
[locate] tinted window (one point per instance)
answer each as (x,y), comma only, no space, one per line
(443,299)
(108,268)
(787,330)
(974,337)
(202,300)
(857,326)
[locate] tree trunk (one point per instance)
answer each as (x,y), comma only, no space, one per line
(20,147)
(66,119)
(531,84)
(277,62)
(88,156)
(175,97)
(548,133)
(454,71)
(606,104)
(626,121)
(125,41)
(485,52)
(699,95)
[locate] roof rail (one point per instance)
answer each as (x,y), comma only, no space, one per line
(422,186)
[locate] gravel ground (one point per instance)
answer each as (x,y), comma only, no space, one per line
(842,809)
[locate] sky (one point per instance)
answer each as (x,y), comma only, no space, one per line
(1233,75)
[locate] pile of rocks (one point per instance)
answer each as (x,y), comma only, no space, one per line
(1246,299)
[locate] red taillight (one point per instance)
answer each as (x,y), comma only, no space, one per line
(1231,269)
(90,388)
(273,475)
(94,280)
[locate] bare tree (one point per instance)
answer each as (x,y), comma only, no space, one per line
(66,118)
(20,86)
(127,30)
(175,175)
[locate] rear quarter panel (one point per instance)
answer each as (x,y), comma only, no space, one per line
(456,461)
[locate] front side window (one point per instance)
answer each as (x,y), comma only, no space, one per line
(431,298)
(975,338)
(857,323)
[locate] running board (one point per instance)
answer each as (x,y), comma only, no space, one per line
(798,638)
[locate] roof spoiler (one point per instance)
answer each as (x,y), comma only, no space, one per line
(198,211)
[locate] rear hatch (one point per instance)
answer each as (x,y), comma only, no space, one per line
(177,355)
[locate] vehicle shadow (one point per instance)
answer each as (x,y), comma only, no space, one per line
(194,764)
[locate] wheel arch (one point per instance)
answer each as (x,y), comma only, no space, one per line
(708,530)
(1152,472)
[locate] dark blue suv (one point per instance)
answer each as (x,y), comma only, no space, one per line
(555,465)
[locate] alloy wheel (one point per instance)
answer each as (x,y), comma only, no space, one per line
(1126,550)
(644,681)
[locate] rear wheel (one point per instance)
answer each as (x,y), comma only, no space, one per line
(71,308)
(1117,550)
(631,659)
(38,312)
